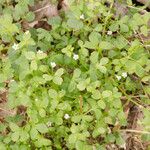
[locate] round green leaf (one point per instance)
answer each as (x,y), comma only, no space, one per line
(53,93)
(15,136)
(75,24)
(33,65)
(81,86)
(57,80)
(42,128)
(106,94)
(102,69)
(101,104)
(96,94)
(30,55)
(47,77)
(104,61)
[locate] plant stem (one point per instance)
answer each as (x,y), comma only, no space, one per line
(135,131)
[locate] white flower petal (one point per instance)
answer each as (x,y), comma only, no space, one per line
(118,77)
(66,116)
(49,124)
(53,64)
(15,46)
(109,32)
(75,56)
(40,52)
(124,75)
(82,16)
(12,80)
(27,32)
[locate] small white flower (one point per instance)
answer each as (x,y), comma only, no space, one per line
(118,77)
(123,146)
(12,80)
(27,32)
(124,74)
(36,99)
(75,56)
(15,46)
(113,146)
(123,53)
(109,32)
(140,106)
(82,16)
(40,52)
(117,122)
(66,116)
(53,64)
(109,130)
(49,124)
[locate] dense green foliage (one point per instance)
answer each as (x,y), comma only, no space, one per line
(72,78)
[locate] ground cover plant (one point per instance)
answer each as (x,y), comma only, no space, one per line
(72,74)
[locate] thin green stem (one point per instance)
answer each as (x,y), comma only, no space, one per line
(107,18)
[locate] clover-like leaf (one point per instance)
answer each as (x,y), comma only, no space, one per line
(42,128)
(30,55)
(14,127)
(53,93)
(41,55)
(33,65)
(96,94)
(94,57)
(94,38)
(144,30)
(102,69)
(106,45)
(15,136)
(68,50)
(104,61)
(47,77)
(57,80)
(101,104)
(59,72)
(75,24)
(106,94)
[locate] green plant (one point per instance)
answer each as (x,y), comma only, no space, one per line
(72,78)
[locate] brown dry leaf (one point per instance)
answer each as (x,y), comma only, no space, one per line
(26,25)
(133,140)
(112,147)
(144,2)
(44,9)
(64,5)
(4,111)
(43,24)
(121,9)
(3,96)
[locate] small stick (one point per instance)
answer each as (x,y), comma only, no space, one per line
(7,111)
(81,103)
(135,131)
(40,9)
